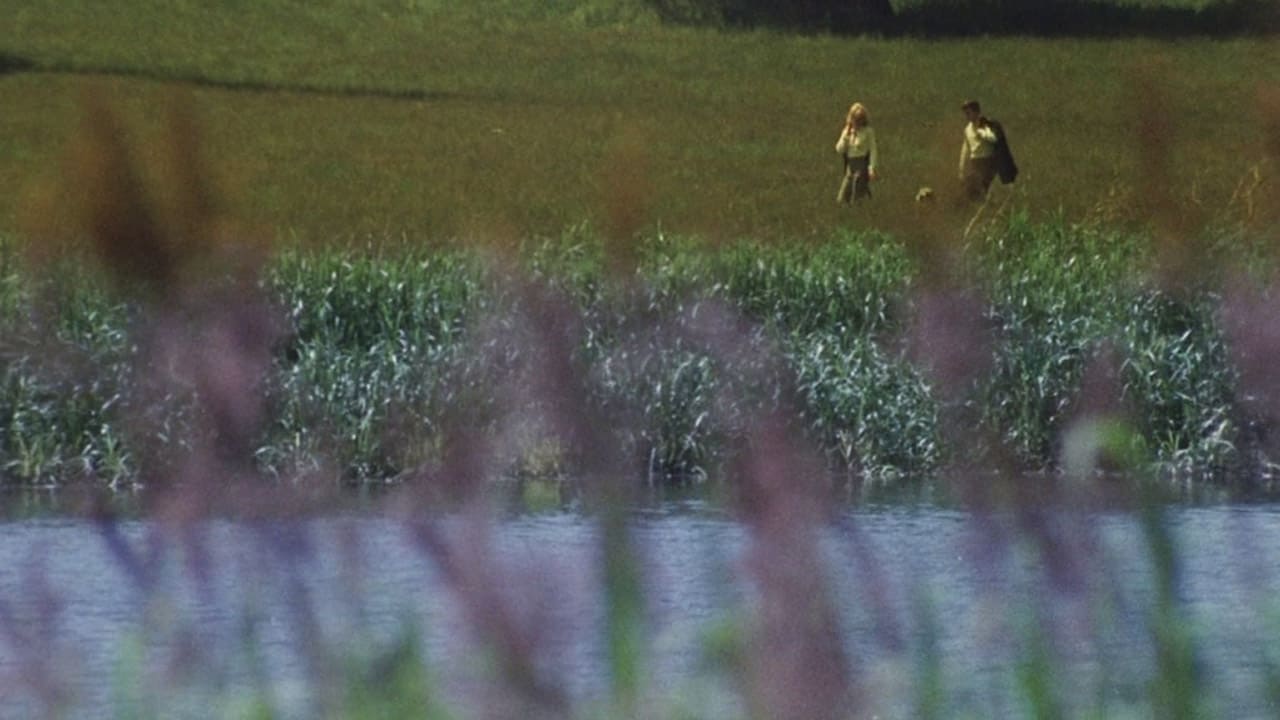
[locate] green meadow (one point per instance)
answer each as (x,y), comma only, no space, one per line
(421,119)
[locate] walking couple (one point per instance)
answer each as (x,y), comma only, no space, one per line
(984,154)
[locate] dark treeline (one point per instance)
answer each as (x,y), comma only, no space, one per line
(978,17)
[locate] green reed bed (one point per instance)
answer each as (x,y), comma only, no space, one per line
(368,342)
(1068,302)
(379,352)
(830,311)
(67,364)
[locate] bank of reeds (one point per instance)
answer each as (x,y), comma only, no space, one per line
(379,349)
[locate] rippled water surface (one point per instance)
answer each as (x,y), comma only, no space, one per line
(924,593)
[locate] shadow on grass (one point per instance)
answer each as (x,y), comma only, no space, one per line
(245,84)
(1087,18)
(1043,18)
(14,64)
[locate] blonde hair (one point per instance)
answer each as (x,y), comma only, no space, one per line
(857,116)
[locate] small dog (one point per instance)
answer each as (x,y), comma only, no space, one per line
(924,195)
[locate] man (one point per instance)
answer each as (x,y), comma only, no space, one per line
(984,153)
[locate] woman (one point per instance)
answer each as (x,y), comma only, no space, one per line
(857,145)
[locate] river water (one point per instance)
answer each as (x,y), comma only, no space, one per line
(116,620)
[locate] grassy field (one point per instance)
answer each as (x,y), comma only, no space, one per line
(341,119)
